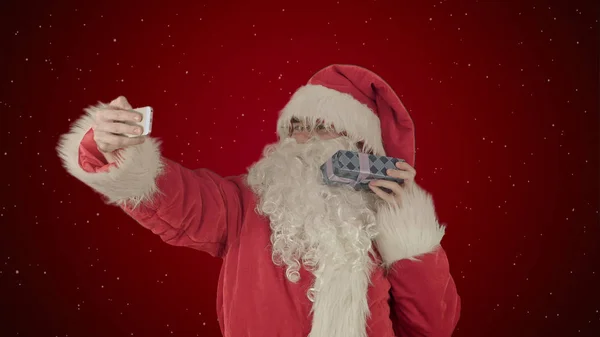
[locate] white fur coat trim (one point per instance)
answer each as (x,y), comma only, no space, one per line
(133,181)
(314,102)
(410,229)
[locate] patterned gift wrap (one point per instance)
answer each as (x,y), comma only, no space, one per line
(358,169)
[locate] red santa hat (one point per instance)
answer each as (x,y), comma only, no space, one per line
(358,102)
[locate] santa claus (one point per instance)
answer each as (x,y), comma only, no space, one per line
(300,258)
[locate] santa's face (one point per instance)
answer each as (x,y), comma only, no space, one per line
(312,224)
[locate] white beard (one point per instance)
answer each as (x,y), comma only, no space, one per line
(329,230)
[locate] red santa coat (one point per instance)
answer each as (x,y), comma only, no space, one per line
(411,294)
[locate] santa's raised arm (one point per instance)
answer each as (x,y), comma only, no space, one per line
(300,258)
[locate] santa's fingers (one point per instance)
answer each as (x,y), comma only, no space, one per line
(117,115)
(406,175)
(406,166)
(390,185)
(383,195)
(105,147)
(118,128)
(108,142)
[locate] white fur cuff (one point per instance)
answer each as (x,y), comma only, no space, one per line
(132,182)
(409,230)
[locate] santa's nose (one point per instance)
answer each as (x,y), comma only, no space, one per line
(301,137)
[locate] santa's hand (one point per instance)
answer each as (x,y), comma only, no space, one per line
(112,122)
(405,172)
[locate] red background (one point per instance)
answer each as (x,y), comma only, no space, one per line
(504,96)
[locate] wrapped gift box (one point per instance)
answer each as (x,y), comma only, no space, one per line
(358,169)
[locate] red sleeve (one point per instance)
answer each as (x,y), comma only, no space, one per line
(425,302)
(193,208)
(90,158)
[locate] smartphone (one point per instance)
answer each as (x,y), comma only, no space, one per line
(146,122)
